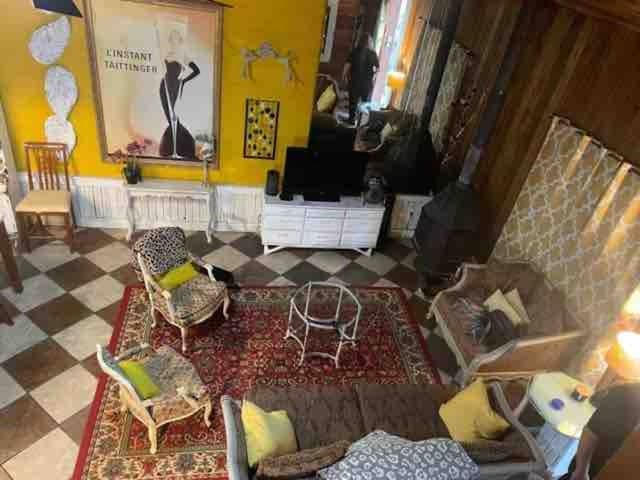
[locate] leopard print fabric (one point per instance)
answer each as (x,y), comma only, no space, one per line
(162,249)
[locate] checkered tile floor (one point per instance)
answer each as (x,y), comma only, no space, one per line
(48,368)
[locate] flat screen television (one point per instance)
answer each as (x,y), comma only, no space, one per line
(323,175)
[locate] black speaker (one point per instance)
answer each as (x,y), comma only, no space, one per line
(271,186)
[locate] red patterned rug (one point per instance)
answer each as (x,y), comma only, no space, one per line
(232,356)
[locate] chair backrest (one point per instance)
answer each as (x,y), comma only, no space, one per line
(109,365)
(42,162)
(162,249)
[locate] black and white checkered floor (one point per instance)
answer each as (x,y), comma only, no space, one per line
(47,363)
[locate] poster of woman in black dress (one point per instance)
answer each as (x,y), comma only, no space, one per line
(158,72)
(176,141)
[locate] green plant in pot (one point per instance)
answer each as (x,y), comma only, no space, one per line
(131,170)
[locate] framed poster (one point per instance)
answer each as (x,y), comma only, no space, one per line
(156,73)
(261,128)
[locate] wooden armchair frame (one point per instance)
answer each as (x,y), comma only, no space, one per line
(153,287)
(519,358)
(45,158)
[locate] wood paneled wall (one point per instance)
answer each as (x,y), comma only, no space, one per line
(624,462)
(573,65)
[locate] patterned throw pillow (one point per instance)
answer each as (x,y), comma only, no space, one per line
(383,456)
(301,464)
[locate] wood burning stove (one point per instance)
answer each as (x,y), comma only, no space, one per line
(448,232)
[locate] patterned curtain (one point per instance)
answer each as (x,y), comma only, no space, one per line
(415,92)
(577,218)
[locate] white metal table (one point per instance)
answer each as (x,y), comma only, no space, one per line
(345,328)
(171,189)
(558,439)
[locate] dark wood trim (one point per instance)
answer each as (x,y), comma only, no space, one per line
(621,12)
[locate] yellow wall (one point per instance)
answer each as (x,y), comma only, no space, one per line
(288,24)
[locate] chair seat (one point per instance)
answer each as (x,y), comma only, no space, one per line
(170,371)
(45,201)
(192,300)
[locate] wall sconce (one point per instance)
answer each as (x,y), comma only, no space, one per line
(64,7)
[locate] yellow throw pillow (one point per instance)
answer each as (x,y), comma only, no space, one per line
(469,416)
(327,100)
(267,434)
(497,301)
(177,276)
(514,298)
(139,378)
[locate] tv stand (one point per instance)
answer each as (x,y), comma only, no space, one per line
(348,224)
(321,197)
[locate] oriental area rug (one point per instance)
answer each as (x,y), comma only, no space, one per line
(232,356)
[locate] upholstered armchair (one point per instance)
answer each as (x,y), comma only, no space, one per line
(162,249)
(553,337)
(182,392)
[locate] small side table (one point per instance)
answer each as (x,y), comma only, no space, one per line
(558,439)
(172,189)
(315,293)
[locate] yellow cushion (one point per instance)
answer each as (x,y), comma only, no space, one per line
(327,100)
(469,416)
(513,297)
(177,276)
(139,378)
(45,201)
(497,301)
(267,434)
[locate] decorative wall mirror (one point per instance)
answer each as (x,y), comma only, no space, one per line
(156,74)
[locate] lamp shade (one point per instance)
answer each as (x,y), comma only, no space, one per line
(624,356)
(64,7)
(396,80)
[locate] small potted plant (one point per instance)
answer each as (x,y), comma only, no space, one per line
(131,170)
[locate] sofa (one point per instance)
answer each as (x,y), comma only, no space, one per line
(322,415)
(551,341)
(326,132)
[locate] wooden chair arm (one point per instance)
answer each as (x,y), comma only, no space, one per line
(134,351)
(528,356)
(208,267)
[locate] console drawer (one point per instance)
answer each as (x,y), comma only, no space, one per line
(278,222)
(325,213)
(365,214)
(323,239)
(282,211)
(281,237)
(323,225)
(357,225)
(359,239)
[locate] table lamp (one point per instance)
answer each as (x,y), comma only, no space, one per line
(623,360)
(395,81)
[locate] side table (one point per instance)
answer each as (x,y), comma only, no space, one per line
(170,189)
(559,437)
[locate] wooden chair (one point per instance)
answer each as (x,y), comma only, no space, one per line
(49,196)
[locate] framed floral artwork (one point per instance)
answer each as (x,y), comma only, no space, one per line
(261,128)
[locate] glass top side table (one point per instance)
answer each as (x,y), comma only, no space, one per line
(558,438)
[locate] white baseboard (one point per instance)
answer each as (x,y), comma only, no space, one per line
(102,203)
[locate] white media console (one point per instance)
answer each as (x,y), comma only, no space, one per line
(347,224)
